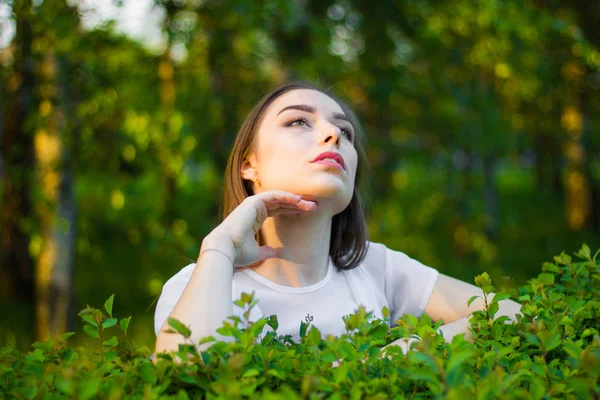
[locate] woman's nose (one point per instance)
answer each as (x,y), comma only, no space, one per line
(334,133)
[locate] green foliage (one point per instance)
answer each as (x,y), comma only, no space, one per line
(552,350)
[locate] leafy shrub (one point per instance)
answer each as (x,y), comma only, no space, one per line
(551,351)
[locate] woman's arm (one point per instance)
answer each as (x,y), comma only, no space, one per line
(206,300)
(507,308)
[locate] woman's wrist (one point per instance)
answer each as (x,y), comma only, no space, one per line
(219,243)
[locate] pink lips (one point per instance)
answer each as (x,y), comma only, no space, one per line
(321,159)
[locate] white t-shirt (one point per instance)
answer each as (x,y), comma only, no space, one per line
(385,278)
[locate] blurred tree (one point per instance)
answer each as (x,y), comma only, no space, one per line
(54,243)
(16,264)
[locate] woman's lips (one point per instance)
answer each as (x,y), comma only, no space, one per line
(329,163)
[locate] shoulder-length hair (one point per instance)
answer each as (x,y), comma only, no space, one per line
(349,231)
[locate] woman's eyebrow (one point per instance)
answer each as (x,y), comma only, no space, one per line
(311,109)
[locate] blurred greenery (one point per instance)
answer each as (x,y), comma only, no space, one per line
(481,115)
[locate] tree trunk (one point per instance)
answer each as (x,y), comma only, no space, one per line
(578,193)
(63,279)
(16,264)
(54,272)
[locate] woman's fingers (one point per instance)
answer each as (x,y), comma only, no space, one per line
(305,206)
(281,197)
(302,204)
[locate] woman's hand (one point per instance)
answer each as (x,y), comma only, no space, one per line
(242,224)
(404,344)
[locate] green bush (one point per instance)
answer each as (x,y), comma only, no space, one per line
(552,351)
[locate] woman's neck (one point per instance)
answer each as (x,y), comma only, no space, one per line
(302,243)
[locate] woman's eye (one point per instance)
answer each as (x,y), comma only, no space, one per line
(297,120)
(304,122)
(347,131)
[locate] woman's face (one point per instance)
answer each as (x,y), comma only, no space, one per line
(297,127)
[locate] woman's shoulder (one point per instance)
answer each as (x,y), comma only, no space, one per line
(373,265)
(180,277)
(376,256)
(381,261)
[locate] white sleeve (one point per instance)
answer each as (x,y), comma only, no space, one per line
(173,289)
(171,292)
(408,284)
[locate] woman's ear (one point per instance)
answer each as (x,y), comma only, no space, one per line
(248,168)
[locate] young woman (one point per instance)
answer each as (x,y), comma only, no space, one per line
(293,231)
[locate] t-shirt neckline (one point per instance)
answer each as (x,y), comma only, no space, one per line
(289,289)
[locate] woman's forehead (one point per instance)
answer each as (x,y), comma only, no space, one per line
(320,101)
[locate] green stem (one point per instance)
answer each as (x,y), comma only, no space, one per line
(576,281)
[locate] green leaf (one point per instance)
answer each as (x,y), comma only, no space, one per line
(92,331)
(206,357)
(125,324)
(89,319)
(378,332)
(457,360)
(110,355)
(472,299)
(563,258)
(239,303)
(273,322)
(500,296)
(207,339)
(303,327)
(525,298)
(247,297)
(276,373)
(27,392)
(585,252)
(148,373)
(549,267)
(385,311)
(42,346)
(108,305)
(67,335)
(546,278)
(531,338)
(423,375)
(65,354)
(493,309)
(64,385)
(572,349)
(89,389)
(251,372)
(179,327)
(550,340)
(483,280)
(107,323)
(586,332)
(341,372)
(566,321)
(328,356)
(314,335)
(112,342)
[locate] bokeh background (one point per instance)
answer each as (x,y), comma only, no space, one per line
(117,118)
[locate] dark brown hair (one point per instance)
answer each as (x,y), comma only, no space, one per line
(349,232)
